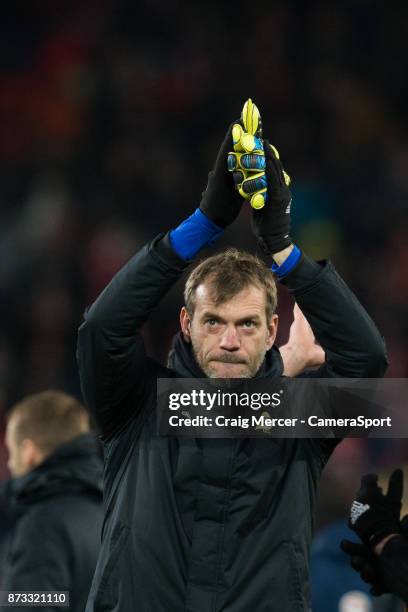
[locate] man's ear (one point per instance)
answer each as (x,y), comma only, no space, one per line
(30,454)
(272,331)
(185,323)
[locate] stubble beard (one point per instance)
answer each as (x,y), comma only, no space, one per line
(250,371)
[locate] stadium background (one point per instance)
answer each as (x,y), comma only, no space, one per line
(111,113)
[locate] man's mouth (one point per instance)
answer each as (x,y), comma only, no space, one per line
(229,360)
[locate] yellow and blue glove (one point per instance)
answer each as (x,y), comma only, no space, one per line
(247,161)
(260,178)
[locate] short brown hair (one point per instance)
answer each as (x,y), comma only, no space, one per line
(228,273)
(50,418)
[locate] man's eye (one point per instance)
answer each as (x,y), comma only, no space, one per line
(249,323)
(212,322)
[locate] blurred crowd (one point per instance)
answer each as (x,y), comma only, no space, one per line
(111,114)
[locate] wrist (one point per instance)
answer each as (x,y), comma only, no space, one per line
(196,232)
(288,258)
(378,548)
(293,359)
(280,257)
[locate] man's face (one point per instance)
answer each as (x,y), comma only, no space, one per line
(23,456)
(229,340)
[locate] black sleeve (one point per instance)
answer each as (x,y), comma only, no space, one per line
(38,559)
(114,369)
(353,345)
(354,348)
(393,567)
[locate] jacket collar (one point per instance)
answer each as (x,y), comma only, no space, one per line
(75,466)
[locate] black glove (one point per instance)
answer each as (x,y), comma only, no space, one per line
(220,201)
(271,224)
(364,561)
(367,563)
(374,515)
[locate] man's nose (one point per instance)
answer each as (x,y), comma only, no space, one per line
(230,339)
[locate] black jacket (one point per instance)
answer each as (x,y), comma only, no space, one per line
(7,523)
(57,513)
(205,525)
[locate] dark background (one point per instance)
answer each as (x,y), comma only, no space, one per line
(111,114)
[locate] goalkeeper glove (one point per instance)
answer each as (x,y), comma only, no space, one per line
(247,161)
(219,202)
(259,177)
(271,224)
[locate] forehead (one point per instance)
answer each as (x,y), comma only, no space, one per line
(250,300)
(10,427)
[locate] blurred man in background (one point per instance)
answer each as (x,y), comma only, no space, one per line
(54,497)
